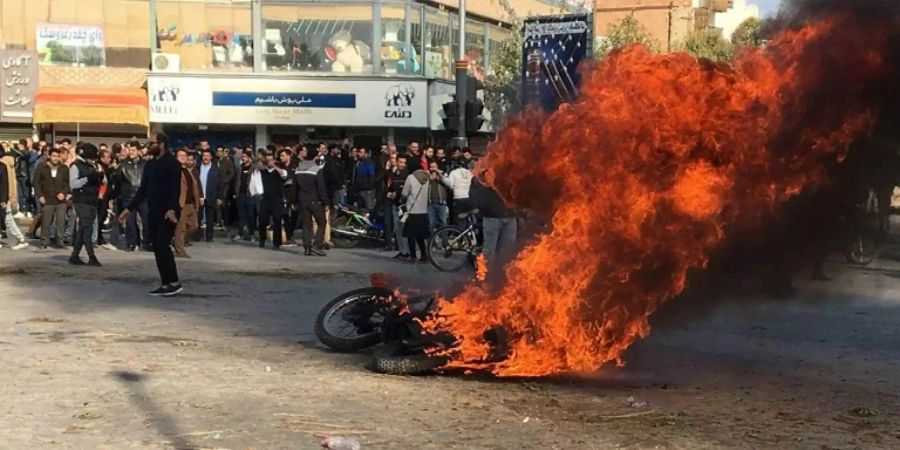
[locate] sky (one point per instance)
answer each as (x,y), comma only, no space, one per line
(766,7)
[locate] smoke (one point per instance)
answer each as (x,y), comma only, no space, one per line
(661,161)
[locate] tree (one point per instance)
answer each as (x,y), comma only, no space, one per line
(746,34)
(707,44)
(502,83)
(626,32)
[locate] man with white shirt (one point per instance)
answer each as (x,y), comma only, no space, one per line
(212,192)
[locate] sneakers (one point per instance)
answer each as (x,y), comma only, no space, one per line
(20,246)
(166,291)
(75,261)
(317,251)
(109,246)
(183,255)
(94,262)
(19,215)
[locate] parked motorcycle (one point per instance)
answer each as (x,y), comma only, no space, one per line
(351,227)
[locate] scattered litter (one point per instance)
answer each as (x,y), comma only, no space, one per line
(863,412)
(340,443)
(45,320)
(526,420)
(87,416)
(268,369)
(636,404)
(184,344)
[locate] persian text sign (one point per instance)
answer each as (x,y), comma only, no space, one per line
(19,78)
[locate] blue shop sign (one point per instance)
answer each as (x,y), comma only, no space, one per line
(284,100)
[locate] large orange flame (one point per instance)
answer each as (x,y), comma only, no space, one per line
(642,177)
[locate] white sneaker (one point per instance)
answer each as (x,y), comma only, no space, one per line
(19,215)
(109,246)
(20,246)
(28,215)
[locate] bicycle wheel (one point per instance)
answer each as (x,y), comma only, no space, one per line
(449,248)
(342,230)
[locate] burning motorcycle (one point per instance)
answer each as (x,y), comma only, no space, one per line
(366,317)
(350,227)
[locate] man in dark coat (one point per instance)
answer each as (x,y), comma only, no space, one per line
(85,179)
(161,188)
(212,191)
(312,196)
(51,186)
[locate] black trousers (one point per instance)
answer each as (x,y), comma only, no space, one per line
(270,210)
(291,219)
(85,215)
(315,211)
(102,208)
(161,233)
(207,212)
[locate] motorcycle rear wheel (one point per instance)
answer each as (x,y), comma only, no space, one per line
(337,309)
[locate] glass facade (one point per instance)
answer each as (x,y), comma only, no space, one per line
(318,37)
(208,36)
(341,36)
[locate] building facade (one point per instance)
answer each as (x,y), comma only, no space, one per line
(250,71)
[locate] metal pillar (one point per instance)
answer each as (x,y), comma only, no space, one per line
(461,139)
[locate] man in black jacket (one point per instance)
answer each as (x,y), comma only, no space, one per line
(271,206)
(161,187)
(500,226)
(85,179)
(51,186)
(129,177)
(212,191)
(287,162)
(312,196)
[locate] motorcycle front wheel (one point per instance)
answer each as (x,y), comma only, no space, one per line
(352,320)
(339,226)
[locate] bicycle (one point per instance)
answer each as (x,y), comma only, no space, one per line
(450,248)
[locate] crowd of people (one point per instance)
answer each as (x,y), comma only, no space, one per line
(259,195)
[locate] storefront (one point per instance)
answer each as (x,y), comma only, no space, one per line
(240,109)
(18,85)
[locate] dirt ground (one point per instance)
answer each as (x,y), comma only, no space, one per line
(93,363)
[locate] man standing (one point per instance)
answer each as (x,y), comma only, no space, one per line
(8,198)
(226,177)
(287,162)
(271,207)
(500,227)
(85,179)
(246,201)
(51,185)
(460,180)
(106,191)
(312,196)
(437,198)
(364,181)
(211,191)
(188,200)
(161,187)
(414,157)
(130,176)
(396,181)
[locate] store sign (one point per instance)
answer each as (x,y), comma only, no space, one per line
(63,44)
(19,78)
(280,101)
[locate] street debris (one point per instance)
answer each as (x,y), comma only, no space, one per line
(340,443)
(863,412)
(87,416)
(635,403)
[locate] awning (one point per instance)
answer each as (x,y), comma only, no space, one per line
(91,104)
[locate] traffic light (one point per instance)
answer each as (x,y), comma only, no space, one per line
(451,115)
(474,121)
(474,105)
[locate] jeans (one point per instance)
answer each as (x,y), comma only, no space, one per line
(339,197)
(246,216)
(499,241)
(86,216)
(437,216)
(134,236)
(402,243)
(461,206)
(12,229)
(207,214)
(24,192)
(53,214)
(367,200)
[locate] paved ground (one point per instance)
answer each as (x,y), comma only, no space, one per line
(91,362)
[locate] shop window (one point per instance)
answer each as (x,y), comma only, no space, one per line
(206,35)
(399,48)
(438,58)
(317,37)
